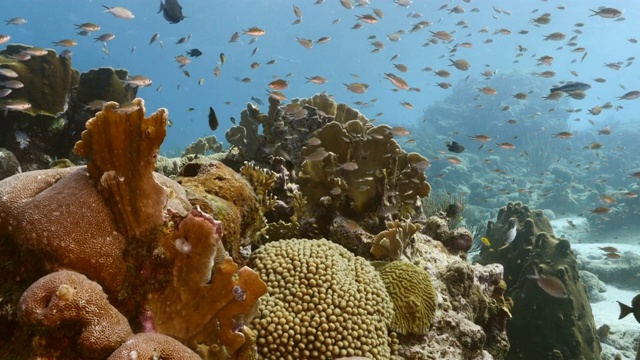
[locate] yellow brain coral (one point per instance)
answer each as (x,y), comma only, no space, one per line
(323,302)
(413,297)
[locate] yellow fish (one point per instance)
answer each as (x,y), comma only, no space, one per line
(485,241)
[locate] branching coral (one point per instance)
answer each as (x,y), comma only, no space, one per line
(134,234)
(396,241)
(124,173)
(361,170)
(202,146)
(68,302)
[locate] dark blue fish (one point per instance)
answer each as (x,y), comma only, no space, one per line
(455,147)
(172,11)
(572,86)
(213,119)
(194,52)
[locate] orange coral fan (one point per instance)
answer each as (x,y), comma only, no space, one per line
(121,146)
(153,346)
(68,298)
(201,307)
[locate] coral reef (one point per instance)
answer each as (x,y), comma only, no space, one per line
(360,170)
(31,133)
(470,316)
(323,302)
(228,197)
(202,146)
(331,163)
(413,297)
(563,323)
(130,230)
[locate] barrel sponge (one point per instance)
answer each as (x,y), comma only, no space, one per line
(323,302)
(413,297)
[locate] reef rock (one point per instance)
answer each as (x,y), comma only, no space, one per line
(129,231)
(552,317)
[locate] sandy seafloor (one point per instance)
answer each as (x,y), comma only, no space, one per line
(585,243)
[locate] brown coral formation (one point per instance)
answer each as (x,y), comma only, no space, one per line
(66,303)
(125,171)
(228,197)
(99,221)
(323,302)
(396,241)
(212,297)
(458,241)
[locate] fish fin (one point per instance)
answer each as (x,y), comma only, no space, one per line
(161,7)
(624,310)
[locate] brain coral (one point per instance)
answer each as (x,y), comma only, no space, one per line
(323,302)
(413,297)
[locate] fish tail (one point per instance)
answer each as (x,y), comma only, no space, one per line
(624,310)
(594,12)
(554,89)
(106,7)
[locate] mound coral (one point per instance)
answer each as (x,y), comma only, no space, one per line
(69,301)
(413,297)
(323,302)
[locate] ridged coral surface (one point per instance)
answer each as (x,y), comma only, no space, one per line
(413,297)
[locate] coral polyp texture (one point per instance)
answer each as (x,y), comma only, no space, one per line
(132,232)
(323,303)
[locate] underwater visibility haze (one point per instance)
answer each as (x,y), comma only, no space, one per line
(324,179)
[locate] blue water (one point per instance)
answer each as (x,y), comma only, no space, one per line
(212,23)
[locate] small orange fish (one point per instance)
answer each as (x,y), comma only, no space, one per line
(563,135)
(609,249)
(278,84)
(480,138)
(600,210)
(254,31)
(506,145)
(608,199)
(488,90)
(454,160)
